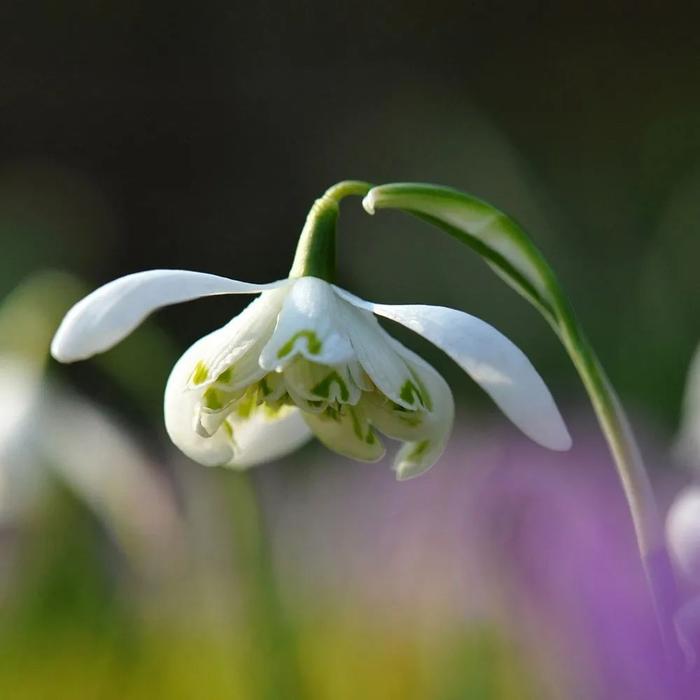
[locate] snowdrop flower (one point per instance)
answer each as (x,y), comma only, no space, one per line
(307,357)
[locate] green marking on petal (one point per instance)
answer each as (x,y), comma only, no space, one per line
(424,393)
(370,438)
(419,450)
(212,399)
(226,376)
(272,412)
(200,374)
(356,425)
(227,429)
(313,344)
(410,392)
(276,405)
(264,387)
(323,388)
(247,403)
(332,413)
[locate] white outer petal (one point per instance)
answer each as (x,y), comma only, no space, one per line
(110,313)
(261,439)
(257,440)
(373,348)
(493,361)
(309,306)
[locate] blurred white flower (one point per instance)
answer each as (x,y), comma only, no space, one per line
(683,519)
(54,434)
(48,433)
(683,531)
(308,357)
(20,389)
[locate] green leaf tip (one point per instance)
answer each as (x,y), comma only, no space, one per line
(490,232)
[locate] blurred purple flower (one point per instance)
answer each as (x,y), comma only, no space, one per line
(537,543)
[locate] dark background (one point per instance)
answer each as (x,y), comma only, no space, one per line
(197,136)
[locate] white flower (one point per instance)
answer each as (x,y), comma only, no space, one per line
(305,358)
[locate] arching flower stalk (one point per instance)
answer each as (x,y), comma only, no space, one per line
(308,358)
(508,250)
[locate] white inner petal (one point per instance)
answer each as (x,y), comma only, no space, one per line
(320,383)
(309,326)
(384,367)
(416,457)
(347,432)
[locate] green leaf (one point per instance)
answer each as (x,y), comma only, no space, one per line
(495,236)
(506,247)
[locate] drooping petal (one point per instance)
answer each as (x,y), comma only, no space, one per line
(493,361)
(309,326)
(374,352)
(347,432)
(110,313)
(416,457)
(262,437)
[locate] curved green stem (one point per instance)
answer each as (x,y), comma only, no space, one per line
(636,485)
(511,254)
(315,254)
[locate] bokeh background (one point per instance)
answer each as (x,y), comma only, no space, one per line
(196,135)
